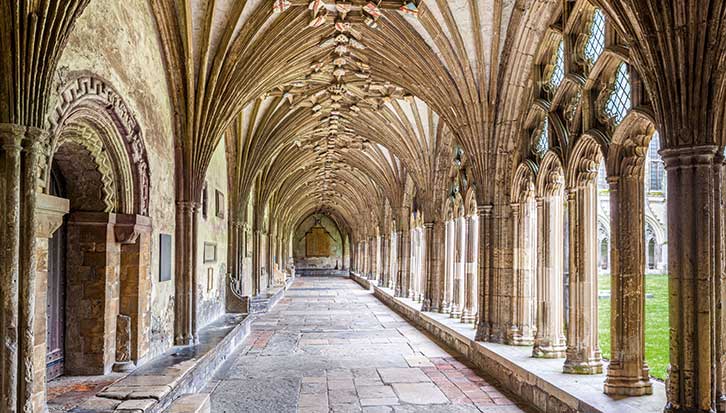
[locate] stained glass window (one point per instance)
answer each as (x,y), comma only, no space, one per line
(596,41)
(618,103)
(558,70)
(541,141)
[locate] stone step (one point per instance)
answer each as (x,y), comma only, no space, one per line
(190,403)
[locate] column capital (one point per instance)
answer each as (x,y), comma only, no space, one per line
(484,210)
(49,214)
(675,158)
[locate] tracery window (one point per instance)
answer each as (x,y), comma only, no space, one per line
(618,103)
(595,44)
(541,139)
(558,67)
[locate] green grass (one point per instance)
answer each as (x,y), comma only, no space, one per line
(656,322)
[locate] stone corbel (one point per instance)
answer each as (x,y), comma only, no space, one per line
(129,227)
(49,213)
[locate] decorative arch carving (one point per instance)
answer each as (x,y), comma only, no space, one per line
(90,101)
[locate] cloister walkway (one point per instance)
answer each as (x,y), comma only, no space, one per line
(330,346)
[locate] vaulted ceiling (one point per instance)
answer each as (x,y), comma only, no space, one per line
(335,103)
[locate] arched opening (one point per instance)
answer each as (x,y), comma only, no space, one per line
(100,256)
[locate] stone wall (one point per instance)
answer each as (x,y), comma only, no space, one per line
(213,232)
(311,230)
(118,42)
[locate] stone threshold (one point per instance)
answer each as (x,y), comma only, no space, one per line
(539,382)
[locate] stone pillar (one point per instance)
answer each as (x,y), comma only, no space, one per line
(583,354)
(627,372)
(93,283)
(429,264)
(483,329)
(468,315)
(445,306)
(185,250)
(549,341)
(49,217)
(11,138)
(384,260)
(413,292)
(524,234)
(133,232)
(403,245)
(695,266)
(374,258)
(459,264)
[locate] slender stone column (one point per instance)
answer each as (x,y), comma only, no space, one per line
(549,341)
(449,271)
(459,263)
(374,258)
(695,239)
(524,233)
(627,372)
(468,315)
(483,329)
(403,245)
(429,265)
(384,260)
(583,354)
(10,167)
(412,284)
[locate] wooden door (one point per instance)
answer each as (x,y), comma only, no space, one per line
(56,304)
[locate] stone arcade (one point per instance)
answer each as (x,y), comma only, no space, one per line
(190,188)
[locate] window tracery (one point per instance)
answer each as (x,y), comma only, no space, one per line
(557,73)
(618,102)
(595,44)
(540,142)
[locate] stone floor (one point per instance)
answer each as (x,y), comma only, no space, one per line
(330,346)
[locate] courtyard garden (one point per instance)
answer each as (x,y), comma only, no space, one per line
(656,322)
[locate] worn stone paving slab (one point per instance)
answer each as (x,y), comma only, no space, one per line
(330,346)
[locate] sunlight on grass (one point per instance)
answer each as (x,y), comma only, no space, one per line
(656,322)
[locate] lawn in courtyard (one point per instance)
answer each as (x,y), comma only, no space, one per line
(656,322)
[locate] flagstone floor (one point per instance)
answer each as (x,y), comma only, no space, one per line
(330,346)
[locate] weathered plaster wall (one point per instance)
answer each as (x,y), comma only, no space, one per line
(336,244)
(213,230)
(117,41)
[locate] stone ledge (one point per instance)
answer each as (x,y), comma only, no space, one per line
(539,382)
(266,300)
(181,370)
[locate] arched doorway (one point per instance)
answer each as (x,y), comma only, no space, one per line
(101,254)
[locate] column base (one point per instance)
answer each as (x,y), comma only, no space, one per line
(123,366)
(515,338)
(670,409)
(426,306)
(467,317)
(444,308)
(625,386)
(455,312)
(593,366)
(482,332)
(548,351)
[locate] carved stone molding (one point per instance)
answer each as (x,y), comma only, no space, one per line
(49,214)
(97,103)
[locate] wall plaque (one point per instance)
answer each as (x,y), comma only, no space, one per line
(164,257)
(210,252)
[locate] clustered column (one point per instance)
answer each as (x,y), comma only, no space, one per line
(549,341)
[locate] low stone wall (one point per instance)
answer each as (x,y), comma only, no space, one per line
(538,388)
